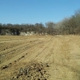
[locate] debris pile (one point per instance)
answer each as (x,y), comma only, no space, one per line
(33,71)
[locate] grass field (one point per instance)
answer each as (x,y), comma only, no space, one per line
(61,53)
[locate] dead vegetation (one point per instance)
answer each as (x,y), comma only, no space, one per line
(33,71)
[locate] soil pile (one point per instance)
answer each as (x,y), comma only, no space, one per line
(33,71)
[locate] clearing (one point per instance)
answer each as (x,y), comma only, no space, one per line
(42,57)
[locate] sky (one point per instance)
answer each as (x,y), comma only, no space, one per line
(36,11)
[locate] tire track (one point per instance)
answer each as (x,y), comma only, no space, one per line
(18,56)
(33,54)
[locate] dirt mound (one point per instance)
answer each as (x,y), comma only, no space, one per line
(33,71)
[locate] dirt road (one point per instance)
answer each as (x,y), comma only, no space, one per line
(61,52)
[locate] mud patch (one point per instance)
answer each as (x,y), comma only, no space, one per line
(33,71)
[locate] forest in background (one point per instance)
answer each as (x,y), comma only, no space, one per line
(65,27)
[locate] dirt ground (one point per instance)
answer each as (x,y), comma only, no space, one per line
(40,57)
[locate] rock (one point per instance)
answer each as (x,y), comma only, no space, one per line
(4,67)
(47,65)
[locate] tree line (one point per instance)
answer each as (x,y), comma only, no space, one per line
(15,29)
(65,27)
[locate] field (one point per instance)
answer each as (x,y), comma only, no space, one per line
(46,57)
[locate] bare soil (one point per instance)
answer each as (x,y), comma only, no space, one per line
(40,57)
